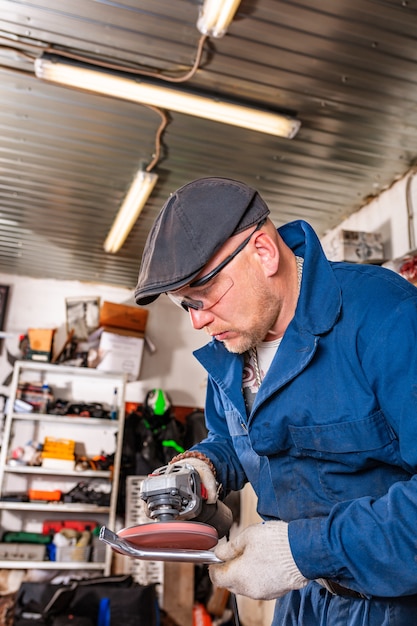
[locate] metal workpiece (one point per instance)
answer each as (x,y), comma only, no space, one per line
(152,554)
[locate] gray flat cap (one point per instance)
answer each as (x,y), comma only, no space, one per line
(193,224)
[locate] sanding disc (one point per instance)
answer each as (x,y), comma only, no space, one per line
(171,535)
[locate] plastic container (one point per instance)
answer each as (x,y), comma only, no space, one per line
(72,553)
(50,496)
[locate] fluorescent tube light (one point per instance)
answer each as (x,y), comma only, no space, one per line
(216,16)
(135,200)
(56,69)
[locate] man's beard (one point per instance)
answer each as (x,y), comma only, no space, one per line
(263,321)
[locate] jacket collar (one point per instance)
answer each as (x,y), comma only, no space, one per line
(319,303)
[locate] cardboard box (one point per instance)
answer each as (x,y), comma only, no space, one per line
(357,247)
(122,331)
(120,353)
(22,552)
(41,342)
(123,316)
(58,464)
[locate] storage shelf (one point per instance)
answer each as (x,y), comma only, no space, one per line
(91,434)
(65,419)
(40,471)
(55,565)
(48,507)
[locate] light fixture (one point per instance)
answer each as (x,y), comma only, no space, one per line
(136,198)
(215,17)
(58,69)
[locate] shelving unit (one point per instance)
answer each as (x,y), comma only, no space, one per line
(92,436)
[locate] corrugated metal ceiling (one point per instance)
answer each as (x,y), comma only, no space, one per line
(347,68)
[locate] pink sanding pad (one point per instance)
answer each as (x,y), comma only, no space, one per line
(171,535)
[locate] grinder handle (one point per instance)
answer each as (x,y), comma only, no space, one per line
(217,515)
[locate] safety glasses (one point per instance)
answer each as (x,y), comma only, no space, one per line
(207,295)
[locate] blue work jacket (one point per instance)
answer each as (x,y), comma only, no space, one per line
(330,445)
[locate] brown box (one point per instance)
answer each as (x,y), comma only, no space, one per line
(40,343)
(123,316)
(126,332)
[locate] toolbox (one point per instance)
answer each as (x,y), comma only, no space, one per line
(49,527)
(58,448)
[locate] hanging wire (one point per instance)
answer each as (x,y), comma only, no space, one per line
(120,68)
(158,137)
(134,70)
(105,64)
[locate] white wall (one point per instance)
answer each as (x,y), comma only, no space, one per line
(387,214)
(35,303)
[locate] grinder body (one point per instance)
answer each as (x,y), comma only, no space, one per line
(175,492)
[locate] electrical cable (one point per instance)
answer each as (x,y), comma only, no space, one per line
(410,210)
(235,610)
(106,64)
(114,66)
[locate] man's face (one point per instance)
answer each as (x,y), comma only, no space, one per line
(237,306)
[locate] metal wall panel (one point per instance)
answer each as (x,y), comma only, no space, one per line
(347,68)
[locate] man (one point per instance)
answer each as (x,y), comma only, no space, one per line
(312,398)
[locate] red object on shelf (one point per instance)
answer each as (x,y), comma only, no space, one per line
(79,525)
(200,615)
(50,496)
(50,527)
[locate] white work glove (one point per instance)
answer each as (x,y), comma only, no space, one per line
(258,563)
(206,476)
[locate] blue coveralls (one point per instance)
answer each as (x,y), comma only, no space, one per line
(331,443)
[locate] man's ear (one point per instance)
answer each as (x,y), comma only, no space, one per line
(268,253)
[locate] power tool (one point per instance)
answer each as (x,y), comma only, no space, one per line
(184,528)
(175,492)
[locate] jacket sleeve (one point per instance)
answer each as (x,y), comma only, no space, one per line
(218,445)
(367,544)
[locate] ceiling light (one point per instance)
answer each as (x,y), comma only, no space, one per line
(135,200)
(215,17)
(72,73)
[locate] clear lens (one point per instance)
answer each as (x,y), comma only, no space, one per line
(201,299)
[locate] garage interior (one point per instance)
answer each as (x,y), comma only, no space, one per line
(340,72)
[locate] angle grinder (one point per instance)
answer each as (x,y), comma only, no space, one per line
(185,526)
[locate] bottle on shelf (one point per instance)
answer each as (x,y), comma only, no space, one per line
(44,405)
(114,407)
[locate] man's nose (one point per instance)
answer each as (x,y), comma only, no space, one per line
(200,319)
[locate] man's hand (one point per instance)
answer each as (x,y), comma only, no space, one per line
(206,476)
(258,563)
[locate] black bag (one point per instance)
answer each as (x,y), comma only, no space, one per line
(129,606)
(80,603)
(38,603)
(71,620)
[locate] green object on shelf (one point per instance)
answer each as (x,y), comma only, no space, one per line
(25,537)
